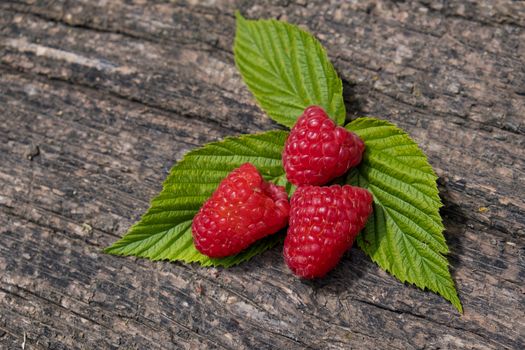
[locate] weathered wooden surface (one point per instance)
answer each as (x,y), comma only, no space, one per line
(99,98)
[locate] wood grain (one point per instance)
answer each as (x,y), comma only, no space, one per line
(98,99)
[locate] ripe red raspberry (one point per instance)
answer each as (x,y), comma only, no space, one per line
(318,151)
(242,210)
(324,221)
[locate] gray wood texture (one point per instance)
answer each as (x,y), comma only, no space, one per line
(99,98)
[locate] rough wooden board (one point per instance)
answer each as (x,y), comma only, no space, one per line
(114,92)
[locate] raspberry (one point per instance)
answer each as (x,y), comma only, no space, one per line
(324,222)
(242,210)
(318,151)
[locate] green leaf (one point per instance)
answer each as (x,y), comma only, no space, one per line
(287,70)
(164,232)
(405,233)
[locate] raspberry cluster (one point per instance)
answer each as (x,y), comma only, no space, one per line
(242,210)
(323,221)
(318,151)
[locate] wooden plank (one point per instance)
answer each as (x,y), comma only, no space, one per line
(114,92)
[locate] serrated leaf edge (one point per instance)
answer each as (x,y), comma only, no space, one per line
(449,293)
(266,243)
